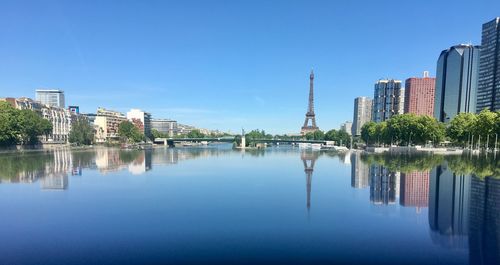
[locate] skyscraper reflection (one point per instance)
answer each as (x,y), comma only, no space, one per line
(449,196)
(359,172)
(384,185)
(484,222)
(414,190)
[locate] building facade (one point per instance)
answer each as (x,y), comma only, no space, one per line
(106,123)
(141,120)
(51,97)
(61,119)
(165,126)
(388,99)
(419,95)
(346,127)
(362,114)
(456,81)
(488,91)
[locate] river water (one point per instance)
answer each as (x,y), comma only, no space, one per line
(216,205)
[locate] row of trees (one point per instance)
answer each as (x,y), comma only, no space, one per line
(467,128)
(409,128)
(339,136)
(21,126)
(404,129)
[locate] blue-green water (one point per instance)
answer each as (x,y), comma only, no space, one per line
(217,205)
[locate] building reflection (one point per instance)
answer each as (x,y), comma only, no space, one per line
(359,172)
(384,185)
(414,189)
(308,158)
(449,197)
(484,221)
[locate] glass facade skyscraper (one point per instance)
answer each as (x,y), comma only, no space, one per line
(488,92)
(51,97)
(388,99)
(456,81)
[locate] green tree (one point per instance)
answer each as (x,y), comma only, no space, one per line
(368,132)
(382,133)
(331,135)
(484,126)
(21,126)
(81,132)
(195,134)
(129,132)
(461,128)
(8,124)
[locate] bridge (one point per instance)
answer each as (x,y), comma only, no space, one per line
(230,139)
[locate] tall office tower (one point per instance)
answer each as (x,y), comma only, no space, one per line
(488,90)
(456,81)
(51,97)
(419,95)
(387,99)
(362,114)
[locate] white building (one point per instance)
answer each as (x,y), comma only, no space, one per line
(60,118)
(106,123)
(140,119)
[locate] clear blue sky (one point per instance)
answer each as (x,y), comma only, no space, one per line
(227,64)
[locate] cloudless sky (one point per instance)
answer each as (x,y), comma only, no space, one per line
(227,64)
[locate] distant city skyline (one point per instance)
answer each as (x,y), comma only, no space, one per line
(223,65)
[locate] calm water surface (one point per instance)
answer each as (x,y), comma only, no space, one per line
(217,205)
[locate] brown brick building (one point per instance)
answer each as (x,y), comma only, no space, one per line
(419,95)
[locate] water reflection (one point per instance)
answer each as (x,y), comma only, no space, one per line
(449,207)
(309,159)
(51,168)
(460,194)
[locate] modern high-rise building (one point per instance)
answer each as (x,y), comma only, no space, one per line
(140,119)
(388,99)
(419,95)
(346,127)
(51,97)
(456,81)
(488,91)
(362,114)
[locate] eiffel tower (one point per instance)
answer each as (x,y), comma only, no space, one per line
(310,116)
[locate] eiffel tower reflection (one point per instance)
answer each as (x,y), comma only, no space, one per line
(309,158)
